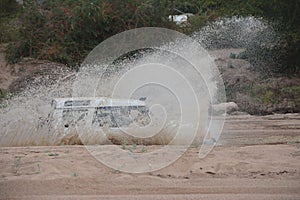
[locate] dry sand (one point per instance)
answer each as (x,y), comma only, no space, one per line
(259,159)
(250,172)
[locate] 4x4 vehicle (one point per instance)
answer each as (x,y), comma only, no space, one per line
(95,113)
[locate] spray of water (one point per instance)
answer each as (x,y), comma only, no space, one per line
(236,32)
(24,116)
(164,74)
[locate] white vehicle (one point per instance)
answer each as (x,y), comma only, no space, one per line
(70,113)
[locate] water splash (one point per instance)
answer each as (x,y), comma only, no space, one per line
(235,32)
(23,116)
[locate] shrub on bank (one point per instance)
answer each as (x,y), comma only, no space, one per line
(9,23)
(66,31)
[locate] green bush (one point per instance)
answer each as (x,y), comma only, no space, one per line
(66,31)
(9,29)
(3,93)
(9,8)
(9,23)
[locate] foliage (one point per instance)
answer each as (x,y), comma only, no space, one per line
(8,8)
(9,24)
(266,96)
(66,31)
(3,93)
(9,29)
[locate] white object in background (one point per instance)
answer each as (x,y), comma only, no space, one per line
(180,19)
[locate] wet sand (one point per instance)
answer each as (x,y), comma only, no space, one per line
(259,158)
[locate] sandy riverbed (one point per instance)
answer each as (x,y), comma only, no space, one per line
(264,166)
(259,172)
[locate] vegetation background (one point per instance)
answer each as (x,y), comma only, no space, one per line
(66,30)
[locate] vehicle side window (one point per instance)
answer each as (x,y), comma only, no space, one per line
(72,117)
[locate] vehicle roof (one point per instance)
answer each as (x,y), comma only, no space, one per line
(92,102)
